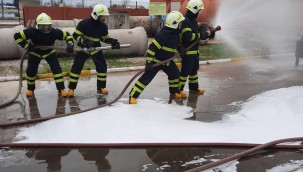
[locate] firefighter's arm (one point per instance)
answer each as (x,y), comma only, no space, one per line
(112,41)
(187,34)
(69,41)
(153,48)
(67,37)
(78,35)
(22,37)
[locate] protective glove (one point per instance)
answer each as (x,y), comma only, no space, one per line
(70,48)
(204,35)
(148,65)
(212,33)
(114,43)
(182,51)
(30,47)
(87,43)
(116,46)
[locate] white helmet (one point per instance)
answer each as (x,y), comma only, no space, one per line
(43,19)
(195,5)
(173,19)
(99,10)
(44,23)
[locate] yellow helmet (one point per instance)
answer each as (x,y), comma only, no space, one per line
(99,10)
(43,19)
(173,19)
(195,5)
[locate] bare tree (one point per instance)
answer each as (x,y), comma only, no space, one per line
(124,3)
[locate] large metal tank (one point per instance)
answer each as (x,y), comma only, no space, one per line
(136,37)
(151,26)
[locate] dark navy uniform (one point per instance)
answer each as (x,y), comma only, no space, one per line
(94,31)
(164,46)
(36,55)
(190,63)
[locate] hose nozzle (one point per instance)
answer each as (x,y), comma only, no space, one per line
(217,28)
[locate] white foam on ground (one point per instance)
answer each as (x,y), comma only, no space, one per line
(265,117)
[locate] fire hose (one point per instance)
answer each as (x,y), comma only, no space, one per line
(51,47)
(255,148)
(4,125)
(20,83)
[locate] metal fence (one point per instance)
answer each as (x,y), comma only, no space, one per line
(13,10)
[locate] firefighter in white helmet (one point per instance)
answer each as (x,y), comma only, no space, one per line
(164,46)
(189,33)
(43,35)
(89,33)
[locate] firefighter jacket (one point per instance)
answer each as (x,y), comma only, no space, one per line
(164,45)
(41,39)
(190,33)
(93,30)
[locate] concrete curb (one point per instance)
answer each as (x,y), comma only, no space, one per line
(124,69)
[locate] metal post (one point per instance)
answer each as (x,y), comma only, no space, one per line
(18,11)
(2,8)
(110,3)
(136,4)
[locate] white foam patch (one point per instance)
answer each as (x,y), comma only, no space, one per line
(293,165)
(272,115)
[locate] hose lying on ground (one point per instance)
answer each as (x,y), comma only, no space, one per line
(244,153)
(51,47)
(9,124)
(254,147)
(138,145)
(20,82)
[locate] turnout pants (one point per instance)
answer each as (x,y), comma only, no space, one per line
(172,72)
(101,68)
(32,69)
(190,67)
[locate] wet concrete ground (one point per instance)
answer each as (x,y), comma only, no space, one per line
(225,83)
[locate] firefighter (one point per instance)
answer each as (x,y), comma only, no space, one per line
(164,46)
(43,35)
(89,32)
(189,33)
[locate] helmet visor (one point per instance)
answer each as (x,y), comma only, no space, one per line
(45,28)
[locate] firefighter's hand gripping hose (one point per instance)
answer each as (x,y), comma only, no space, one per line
(51,47)
(9,124)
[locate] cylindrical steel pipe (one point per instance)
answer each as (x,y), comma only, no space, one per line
(150,26)
(8,47)
(136,37)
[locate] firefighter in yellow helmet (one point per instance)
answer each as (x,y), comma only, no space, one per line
(43,35)
(189,33)
(164,46)
(89,33)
